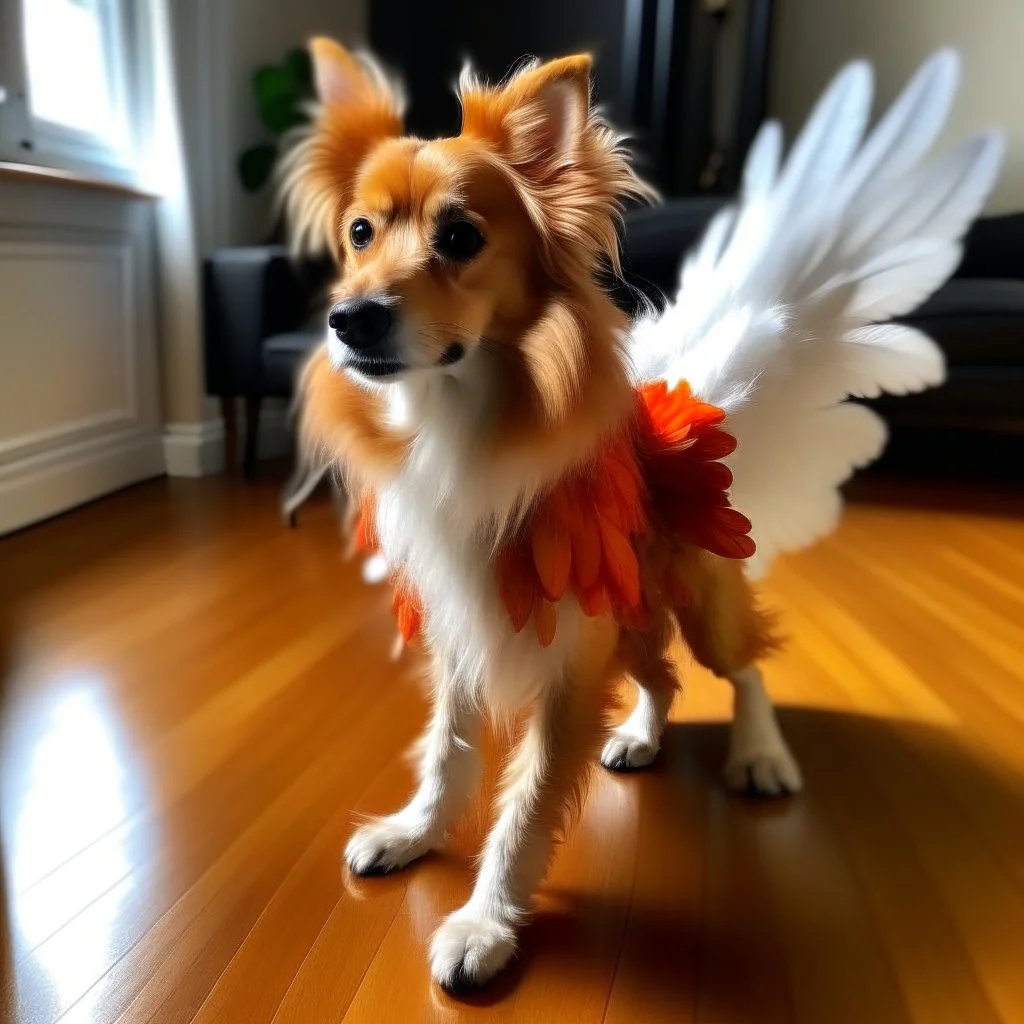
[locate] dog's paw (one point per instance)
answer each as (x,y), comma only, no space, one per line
(625,751)
(385,845)
(469,949)
(767,771)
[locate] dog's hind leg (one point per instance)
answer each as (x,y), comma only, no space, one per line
(727,633)
(635,743)
(759,761)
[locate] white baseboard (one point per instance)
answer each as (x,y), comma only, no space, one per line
(193,449)
(54,481)
(197,449)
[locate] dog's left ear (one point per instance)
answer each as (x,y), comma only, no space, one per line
(570,167)
(359,108)
(538,119)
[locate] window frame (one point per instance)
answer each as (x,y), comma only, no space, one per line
(27,138)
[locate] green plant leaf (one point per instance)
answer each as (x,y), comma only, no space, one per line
(300,65)
(255,165)
(271,83)
(281,91)
(281,113)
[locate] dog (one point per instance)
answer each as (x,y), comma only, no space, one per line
(553,501)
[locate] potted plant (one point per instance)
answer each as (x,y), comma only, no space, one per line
(284,93)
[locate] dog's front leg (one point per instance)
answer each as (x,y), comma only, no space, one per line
(540,783)
(449,767)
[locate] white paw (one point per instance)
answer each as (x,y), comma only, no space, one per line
(469,949)
(626,750)
(770,770)
(384,845)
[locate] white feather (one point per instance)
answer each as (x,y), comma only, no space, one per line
(780,313)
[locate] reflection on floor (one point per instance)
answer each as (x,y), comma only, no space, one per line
(196,699)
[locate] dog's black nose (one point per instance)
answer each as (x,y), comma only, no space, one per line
(360,323)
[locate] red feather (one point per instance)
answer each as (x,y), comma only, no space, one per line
(552,554)
(606,500)
(712,445)
(627,492)
(545,620)
(516,586)
(620,564)
(586,551)
(595,602)
(407,610)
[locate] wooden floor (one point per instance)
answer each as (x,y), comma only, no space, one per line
(198,700)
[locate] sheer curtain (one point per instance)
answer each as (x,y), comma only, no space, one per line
(163,170)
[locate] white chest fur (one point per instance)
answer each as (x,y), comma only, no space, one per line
(440,523)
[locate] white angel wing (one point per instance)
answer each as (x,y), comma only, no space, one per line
(780,312)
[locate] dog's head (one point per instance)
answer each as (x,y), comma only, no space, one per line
(456,243)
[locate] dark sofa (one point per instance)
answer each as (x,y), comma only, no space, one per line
(977,317)
(264,313)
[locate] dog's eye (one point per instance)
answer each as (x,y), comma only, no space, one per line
(361,233)
(459,240)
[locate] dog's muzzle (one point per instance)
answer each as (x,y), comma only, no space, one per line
(365,328)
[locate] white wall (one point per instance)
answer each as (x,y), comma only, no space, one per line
(813,38)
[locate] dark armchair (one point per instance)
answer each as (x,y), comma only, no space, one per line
(263,313)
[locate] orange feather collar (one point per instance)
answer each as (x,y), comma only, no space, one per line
(583,537)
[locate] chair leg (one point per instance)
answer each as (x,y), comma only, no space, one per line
(229,415)
(252,430)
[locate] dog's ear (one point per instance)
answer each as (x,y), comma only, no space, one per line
(538,119)
(570,168)
(359,108)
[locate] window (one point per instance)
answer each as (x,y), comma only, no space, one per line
(71,49)
(67,82)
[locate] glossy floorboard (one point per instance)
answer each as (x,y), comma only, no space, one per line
(196,701)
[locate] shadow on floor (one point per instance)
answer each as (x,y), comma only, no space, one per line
(892,812)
